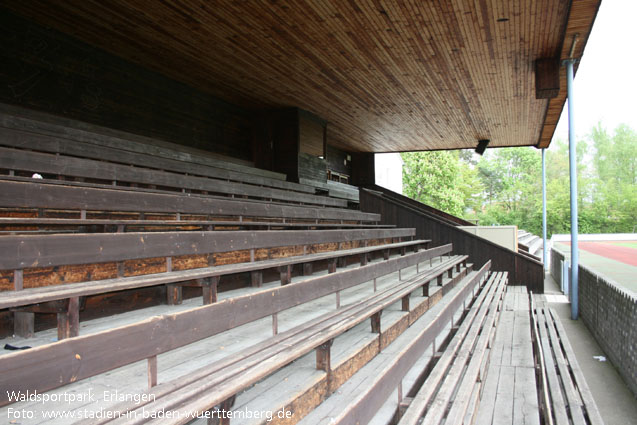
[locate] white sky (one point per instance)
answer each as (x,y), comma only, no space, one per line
(606,81)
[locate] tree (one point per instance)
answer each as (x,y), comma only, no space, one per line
(433,178)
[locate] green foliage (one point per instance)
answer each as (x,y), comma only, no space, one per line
(434,179)
(504,186)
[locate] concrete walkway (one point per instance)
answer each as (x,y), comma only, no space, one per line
(616,403)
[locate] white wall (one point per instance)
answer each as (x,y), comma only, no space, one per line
(389,171)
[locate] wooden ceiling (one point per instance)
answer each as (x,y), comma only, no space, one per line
(386,75)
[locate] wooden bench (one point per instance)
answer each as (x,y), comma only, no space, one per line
(218,383)
(188,253)
(462,354)
(25,225)
(43,133)
(565,396)
(84,201)
(157,335)
(19,162)
(450,392)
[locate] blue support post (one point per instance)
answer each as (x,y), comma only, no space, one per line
(544,247)
(572,157)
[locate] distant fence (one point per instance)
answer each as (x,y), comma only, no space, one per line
(610,313)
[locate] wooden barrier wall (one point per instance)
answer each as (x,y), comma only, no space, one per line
(390,205)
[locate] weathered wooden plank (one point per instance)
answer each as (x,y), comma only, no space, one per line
(78,358)
(188,399)
(52,250)
(53,292)
(104,223)
(32,130)
(583,389)
(525,403)
(361,410)
(41,195)
(44,163)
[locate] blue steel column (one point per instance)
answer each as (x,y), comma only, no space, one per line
(545,248)
(572,157)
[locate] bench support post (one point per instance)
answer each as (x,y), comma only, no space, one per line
(324,356)
(376,322)
(23,323)
(425,289)
(307,269)
(152,371)
(69,319)
(286,274)
(331,265)
(173,294)
(341,262)
(256,278)
(439,280)
(386,254)
(209,289)
(405,303)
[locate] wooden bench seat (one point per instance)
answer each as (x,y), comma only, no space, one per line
(215,383)
(44,134)
(24,225)
(83,201)
(565,395)
(450,391)
(34,252)
(372,386)
(153,336)
(57,166)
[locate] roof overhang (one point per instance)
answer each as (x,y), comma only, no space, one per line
(387,76)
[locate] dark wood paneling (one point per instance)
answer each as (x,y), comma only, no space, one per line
(522,270)
(312,168)
(49,71)
(337,160)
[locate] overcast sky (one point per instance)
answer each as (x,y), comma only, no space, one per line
(606,82)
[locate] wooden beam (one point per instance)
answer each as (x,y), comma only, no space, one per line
(547,78)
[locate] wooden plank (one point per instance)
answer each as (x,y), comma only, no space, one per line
(526,409)
(232,374)
(584,391)
(53,250)
(89,143)
(503,408)
(58,196)
(361,410)
(53,292)
(216,387)
(573,399)
(19,160)
(78,358)
(104,224)
(558,404)
(469,382)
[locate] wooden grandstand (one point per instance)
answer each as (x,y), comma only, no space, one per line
(181,253)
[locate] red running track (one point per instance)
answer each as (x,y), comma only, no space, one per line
(625,254)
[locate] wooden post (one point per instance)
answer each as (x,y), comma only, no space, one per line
(152,371)
(173,294)
(286,274)
(376,322)
(405,303)
(440,280)
(425,289)
(324,356)
(209,289)
(307,269)
(24,323)
(275,324)
(338,299)
(331,265)
(69,319)
(18,280)
(256,278)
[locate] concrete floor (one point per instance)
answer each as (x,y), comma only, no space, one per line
(616,403)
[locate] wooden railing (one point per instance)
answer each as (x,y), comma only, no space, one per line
(395,210)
